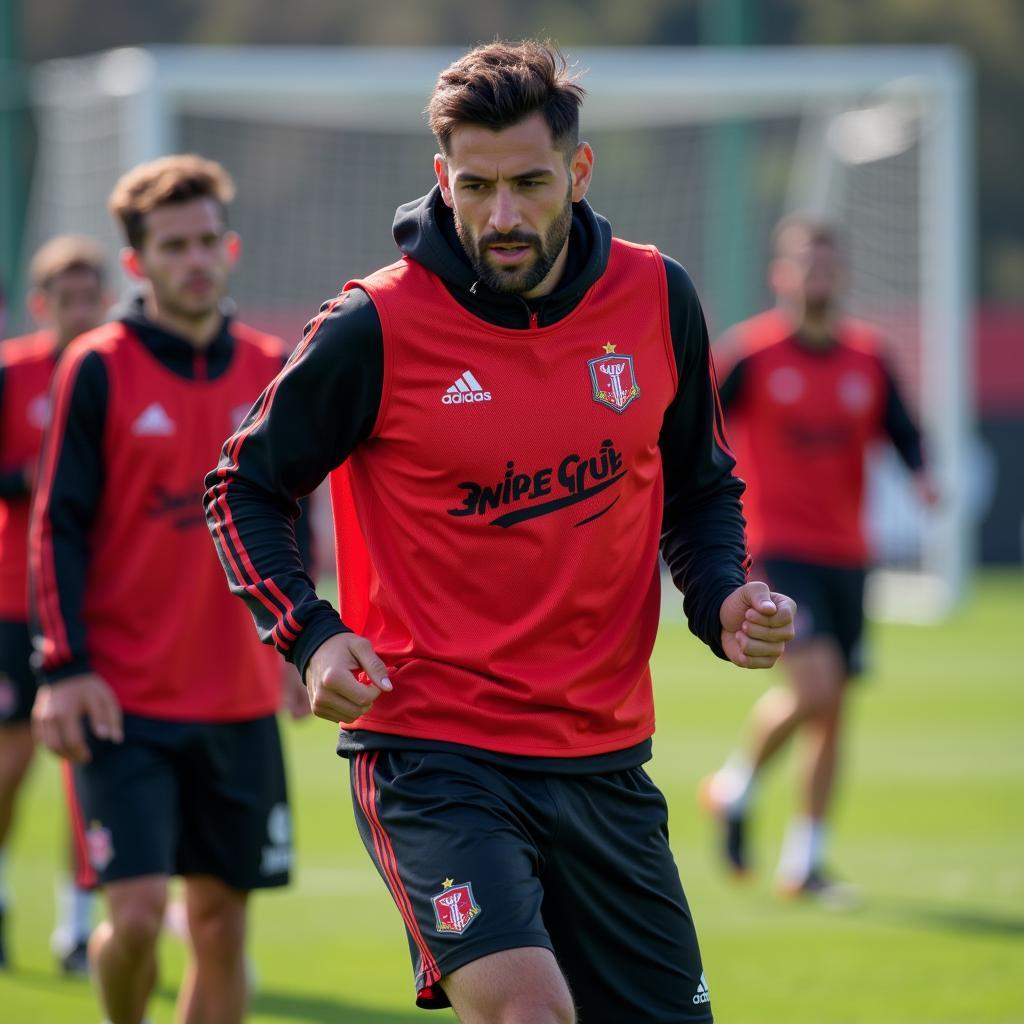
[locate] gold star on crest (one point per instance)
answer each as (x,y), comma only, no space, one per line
(609,348)
(448,883)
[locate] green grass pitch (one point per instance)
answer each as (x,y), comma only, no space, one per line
(930,822)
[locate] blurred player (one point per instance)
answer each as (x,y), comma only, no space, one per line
(66,299)
(154,685)
(522,408)
(807,393)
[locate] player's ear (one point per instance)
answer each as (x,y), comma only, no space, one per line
(37,306)
(233,244)
(581,170)
(131,263)
(443,178)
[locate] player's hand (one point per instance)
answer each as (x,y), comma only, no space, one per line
(334,691)
(294,699)
(60,707)
(756,625)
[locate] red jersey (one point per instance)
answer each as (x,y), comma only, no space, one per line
(477,580)
(26,365)
(159,626)
(801,418)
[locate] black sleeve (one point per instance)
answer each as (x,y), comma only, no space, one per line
(900,427)
(13,484)
(306,424)
(67,496)
(703,538)
(304,524)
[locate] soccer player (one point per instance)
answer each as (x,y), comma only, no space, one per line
(513,415)
(807,393)
(178,763)
(66,299)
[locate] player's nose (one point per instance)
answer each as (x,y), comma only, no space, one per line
(505,214)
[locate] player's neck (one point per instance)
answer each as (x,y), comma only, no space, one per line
(816,326)
(199,331)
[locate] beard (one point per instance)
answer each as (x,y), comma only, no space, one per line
(517,280)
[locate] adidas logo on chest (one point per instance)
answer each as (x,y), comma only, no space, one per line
(153,421)
(465,391)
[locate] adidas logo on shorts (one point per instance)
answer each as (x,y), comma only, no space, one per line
(703,995)
(465,391)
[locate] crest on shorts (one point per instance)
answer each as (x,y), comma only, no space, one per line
(99,845)
(454,907)
(613,379)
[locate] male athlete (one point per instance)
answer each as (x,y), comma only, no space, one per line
(66,299)
(808,392)
(179,770)
(513,416)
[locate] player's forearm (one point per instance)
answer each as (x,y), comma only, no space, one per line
(256,542)
(319,408)
(705,551)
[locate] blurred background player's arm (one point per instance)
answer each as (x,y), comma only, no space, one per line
(703,540)
(64,510)
(15,481)
(730,387)
(67,497)
(899,425)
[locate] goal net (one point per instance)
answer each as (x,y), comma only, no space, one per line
(698,151)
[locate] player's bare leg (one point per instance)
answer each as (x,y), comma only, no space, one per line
(16,748)
(15,756)
(214,989)
(122,949)
(516,986)
(815,672)
(821,670)
(821,756)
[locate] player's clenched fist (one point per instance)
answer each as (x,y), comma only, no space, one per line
(756,625)
(334,691)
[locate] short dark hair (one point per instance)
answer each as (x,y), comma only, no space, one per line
(64,254)
(499,84)
(170,179)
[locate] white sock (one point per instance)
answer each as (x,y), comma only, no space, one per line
(802,850)
(81,918)
(733,784)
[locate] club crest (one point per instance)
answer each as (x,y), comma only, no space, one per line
(454,907)
(99,845)
(613,379)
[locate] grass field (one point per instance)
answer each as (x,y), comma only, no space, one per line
(930,823)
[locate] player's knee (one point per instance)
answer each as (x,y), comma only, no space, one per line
(529,1008)
(136,925)
(218,932)
(523,986)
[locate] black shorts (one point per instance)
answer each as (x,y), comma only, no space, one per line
(17,681)
(480,858)
(182,798)
(830,602)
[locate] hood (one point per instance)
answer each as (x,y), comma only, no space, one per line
(175,352)
(425,232)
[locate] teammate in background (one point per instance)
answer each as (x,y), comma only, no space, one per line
(179,770)
(513,415)
(807,393)
(66,299)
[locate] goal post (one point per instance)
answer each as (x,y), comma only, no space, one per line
(325,143)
